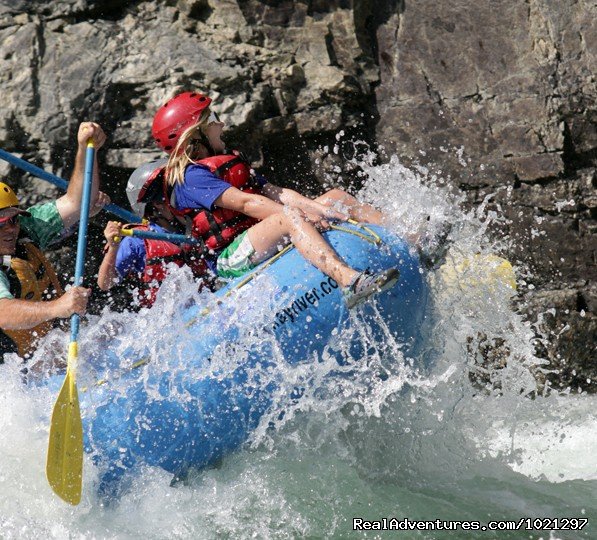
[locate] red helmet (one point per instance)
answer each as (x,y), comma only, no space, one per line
(181,112)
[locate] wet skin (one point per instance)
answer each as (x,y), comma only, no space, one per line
(214,135)
(8,238)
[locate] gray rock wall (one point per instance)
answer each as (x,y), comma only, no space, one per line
(510,83)
(513,84)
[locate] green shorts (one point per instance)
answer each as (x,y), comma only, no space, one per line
(235,260)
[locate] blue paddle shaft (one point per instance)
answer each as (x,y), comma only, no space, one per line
(127,216)
(82,241)
(168,237)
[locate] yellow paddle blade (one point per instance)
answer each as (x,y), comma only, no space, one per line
(64,467)
(478,271)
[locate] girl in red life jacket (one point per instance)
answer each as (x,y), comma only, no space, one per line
(144,262)
(241,217)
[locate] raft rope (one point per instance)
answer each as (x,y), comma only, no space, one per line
(101,382)
(374,239)
(371,236)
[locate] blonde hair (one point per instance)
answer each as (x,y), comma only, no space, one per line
(186,149)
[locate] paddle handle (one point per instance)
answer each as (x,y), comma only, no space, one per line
(156,235)
(82,241)
(61,183)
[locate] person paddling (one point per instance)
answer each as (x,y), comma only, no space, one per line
(31,296)
(144,263)
(241,218)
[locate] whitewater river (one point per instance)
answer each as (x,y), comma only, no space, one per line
(427,441)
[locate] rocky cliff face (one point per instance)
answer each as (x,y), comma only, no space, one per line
(493,94)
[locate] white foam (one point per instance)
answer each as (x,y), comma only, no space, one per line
(551,439)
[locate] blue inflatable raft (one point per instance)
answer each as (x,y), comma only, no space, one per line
(197,397)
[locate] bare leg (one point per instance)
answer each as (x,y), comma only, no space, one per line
(357,210)
(277,230)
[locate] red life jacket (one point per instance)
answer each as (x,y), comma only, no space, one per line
(158,253)
(219,227)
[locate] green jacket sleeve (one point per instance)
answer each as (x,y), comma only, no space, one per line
(44,226)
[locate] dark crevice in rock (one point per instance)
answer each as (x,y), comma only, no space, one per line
(326,6)
(248,13)
(369,15)
(110,10)
(568,151)
(19,139)
(541,140)
(581,303)
(543,182)
(573,159)
(114,178)
(387,9)
(329,43)
(473,189)
(433,94)
(289,172)
(199,10)
(117,99)
(585,159)
(366,28)
(367,19)
(36,62)
(476,97)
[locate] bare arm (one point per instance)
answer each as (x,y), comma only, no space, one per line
(107,276)
(69,205)
(289,197)
(283,195)
(255,206)
(16,314)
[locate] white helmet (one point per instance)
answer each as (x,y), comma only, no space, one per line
(138,188)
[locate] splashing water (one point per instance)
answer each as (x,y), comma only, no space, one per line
(472,435)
